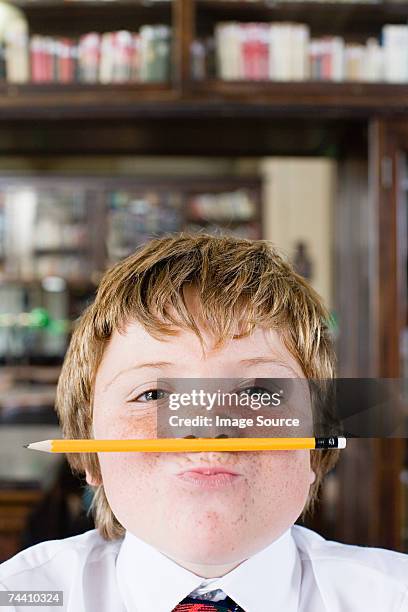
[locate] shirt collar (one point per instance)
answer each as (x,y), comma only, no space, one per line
(270,578)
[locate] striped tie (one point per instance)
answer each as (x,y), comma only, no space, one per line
(201,605)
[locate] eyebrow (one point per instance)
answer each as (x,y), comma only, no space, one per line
(138,366)
(268,361)
(254,361)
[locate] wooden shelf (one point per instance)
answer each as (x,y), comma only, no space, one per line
(79,251)
(183,99)
(39,374)
(76,100)
(304,98)
(208,98)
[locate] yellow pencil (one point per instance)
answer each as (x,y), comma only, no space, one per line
(183,445)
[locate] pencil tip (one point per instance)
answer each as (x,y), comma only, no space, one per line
(26,445)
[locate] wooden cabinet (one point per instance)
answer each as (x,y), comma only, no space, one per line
(15,506)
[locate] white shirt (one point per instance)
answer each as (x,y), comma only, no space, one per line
(299,572)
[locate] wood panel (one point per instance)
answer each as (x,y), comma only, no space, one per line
(385,144)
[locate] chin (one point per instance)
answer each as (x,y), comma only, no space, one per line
(210,554)
(215,546)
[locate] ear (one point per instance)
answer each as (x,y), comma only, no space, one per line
(312,476)
(92,481)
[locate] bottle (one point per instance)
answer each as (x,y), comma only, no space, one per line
(302,261)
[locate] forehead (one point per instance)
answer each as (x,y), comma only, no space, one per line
(184,349)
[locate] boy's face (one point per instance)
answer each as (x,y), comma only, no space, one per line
(197,524)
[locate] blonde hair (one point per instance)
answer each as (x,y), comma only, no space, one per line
(236,279)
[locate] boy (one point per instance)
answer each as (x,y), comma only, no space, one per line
(171,534)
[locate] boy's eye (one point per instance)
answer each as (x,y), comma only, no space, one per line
(251,390)
(254,391)
(269,396)
(151,395)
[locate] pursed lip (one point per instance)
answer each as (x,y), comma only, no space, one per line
(211,477)
(209,470)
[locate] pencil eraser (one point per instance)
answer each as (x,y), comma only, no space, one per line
(342,442)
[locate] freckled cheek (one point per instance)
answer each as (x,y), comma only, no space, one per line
(283,473)
(124,474)
(123,426)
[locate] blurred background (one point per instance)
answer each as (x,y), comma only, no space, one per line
(125,119)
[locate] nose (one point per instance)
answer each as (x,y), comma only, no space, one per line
(219,436)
